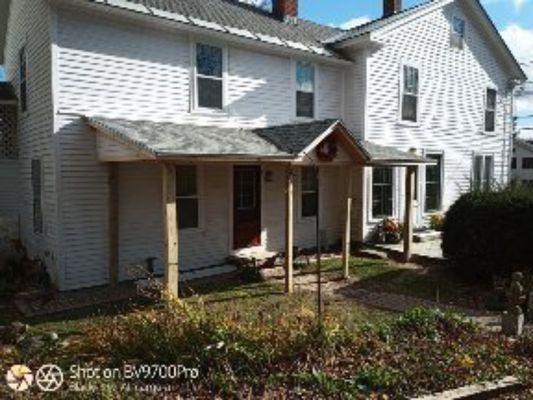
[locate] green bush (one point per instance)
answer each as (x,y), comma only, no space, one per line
(491,233)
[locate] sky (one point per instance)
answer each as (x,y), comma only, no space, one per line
(513,18)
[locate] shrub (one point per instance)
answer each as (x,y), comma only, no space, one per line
(490,233)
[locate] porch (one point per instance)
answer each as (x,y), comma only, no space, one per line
(217,191)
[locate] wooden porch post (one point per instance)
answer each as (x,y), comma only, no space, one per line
(170,222)
(289,232)
(347,226)
(410,175)
(113,224)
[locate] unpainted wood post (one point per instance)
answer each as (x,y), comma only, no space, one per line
(170,222)
(113,225)
(289,232)
(410,176)
(346,245)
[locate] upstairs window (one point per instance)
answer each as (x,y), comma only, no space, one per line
(458,32)
(187,197)
(527,163)
(409,94)
(490,110)
(23,76)
(36,183)
(305,90)
(434,184)
(381,192)
(513,163)
(483,172)
(209,77)
(309,192)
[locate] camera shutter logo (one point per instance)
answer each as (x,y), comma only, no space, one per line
(19,378)
(49,378)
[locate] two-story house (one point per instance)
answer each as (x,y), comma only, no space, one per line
(188,130)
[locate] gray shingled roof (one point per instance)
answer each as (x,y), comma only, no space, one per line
(6,92)
(250,20)
(169,139)
(294,138)
(165,139)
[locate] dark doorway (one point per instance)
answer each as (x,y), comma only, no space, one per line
(246,206)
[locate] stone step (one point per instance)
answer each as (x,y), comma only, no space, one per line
(428,236)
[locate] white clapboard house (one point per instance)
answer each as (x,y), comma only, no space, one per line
(247,124)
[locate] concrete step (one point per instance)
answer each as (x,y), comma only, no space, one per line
(426,236)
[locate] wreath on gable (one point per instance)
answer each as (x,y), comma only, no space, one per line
(327,150)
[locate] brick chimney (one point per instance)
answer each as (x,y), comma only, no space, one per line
(284,9)
(391,7)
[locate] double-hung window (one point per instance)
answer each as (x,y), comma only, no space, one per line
(527,163)
(458,32)
(483,172)
(513,163)
(37,189)
(209,77)
(434,184)
(382,192)
(23,79)
(309,192)
(409,94)
(187,196)
(305,90)
(490,110)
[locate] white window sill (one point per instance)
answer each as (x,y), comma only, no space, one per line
(210,112)
(408,123)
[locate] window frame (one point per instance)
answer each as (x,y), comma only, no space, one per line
(195,107)
(457,40)
(198,197)
(484,184)
(302,192)
(439,154)
(401,87)
(37,204)
(525,161)
(23,78)
(371,192)
(296,63)
(487,110)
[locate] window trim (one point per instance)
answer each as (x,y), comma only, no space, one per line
(199,197)
(485,109)
(401,88)
(301,193)
(453,33)
(371,217)
(483,166)
(430,153)
(194,107)
(294,69)
(23,51)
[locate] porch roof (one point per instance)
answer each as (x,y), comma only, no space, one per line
(290,142)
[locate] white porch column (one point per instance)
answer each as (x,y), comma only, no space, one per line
(170,222)
(347,225)
(289,231)
(410,176)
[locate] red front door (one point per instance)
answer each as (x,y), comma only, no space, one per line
(246,206)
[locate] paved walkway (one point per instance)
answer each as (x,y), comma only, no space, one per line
(431,249)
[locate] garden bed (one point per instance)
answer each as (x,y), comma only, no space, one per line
(251,340)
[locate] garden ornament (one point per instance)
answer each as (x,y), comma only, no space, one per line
(530,307)
(513,322)
(517,294)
